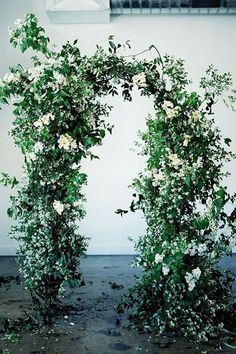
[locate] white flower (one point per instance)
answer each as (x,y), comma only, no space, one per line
(38,147)
(60,79)
(52,61)
(195,116)
(158,258)
(74,166)
(35,73)
(19,23)
(16,99)
(187,138)
(171,113)
(192,277)
(190,281)
(73,144)
(199,162)
(11,31)
(175,161)
(167,105)
(165,269)
(58,206)
(157,177)
(38,123)
(44,120)
(170,110)
(196,273)
(11,77)
(67,142)
(140,80)
(202,248)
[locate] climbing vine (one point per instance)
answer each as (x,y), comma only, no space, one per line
(59,117)
(190,215)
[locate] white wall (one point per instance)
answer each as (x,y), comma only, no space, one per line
(200,40)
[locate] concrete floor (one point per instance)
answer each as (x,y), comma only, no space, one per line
(94,328)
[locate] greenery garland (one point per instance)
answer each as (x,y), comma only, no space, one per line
(59,117)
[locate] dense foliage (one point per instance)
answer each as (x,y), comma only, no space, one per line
(59,117)
(191,217)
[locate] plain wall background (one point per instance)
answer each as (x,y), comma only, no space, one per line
(200,40)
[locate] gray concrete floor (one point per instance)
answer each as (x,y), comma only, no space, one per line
(94,328)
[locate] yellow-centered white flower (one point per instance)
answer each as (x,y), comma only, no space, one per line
(66,142)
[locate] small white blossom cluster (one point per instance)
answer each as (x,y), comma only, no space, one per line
(12,77)
(195,116)
(35,73)
(175,161)
(169,109)
(60,79)
(58,206)
(165,270)
(159,258)
(191,278)
(44,120)
(194,248)
(157,177)
(140,80)
(66,142)
(38,147)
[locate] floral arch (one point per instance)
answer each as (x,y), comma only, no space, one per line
(59,117)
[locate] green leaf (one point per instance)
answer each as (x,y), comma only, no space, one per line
(188,180)
(227,141)
(121,212)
